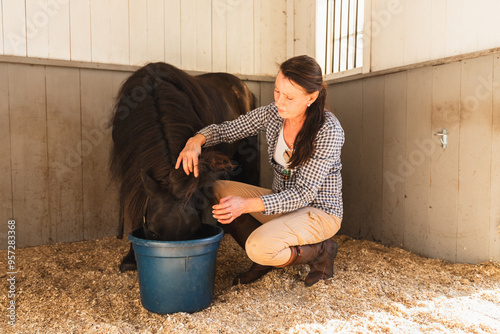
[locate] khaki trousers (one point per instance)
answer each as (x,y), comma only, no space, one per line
(270,244)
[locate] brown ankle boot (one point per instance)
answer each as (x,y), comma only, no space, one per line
(320,258)
(322,266)
(240,229)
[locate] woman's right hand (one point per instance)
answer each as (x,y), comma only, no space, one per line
(189,155)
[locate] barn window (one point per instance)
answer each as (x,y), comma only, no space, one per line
(344,35)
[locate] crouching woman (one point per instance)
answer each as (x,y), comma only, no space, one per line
(293,222)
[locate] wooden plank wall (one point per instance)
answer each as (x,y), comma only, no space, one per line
(495,162)
(400,186)
(406,32)
(418,125)
(63,145)
(393,191)
(236,36)
(345,98)
(5,156)
(474,157)
(29,152)
(372,149)
(445,114)
(55,145)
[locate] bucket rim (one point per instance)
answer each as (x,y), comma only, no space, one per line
(179,243)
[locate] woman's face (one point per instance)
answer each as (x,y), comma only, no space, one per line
(291,99)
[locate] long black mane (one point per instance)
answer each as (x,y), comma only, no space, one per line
(158,108)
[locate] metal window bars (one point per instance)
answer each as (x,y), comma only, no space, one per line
(344,35)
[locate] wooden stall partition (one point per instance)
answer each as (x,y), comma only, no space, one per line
(416,163)
(5,157)
(64,159)
(395,171)
(475,143)
(441,202)
(266,96)
(372,148)
(443,188)
(346,102)
(29,160)
(100,204)
(494,242)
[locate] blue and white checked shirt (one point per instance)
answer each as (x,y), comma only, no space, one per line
(318,183)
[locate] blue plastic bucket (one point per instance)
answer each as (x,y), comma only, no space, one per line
(177,276)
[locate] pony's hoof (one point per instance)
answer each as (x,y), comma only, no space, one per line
(127,266)
(128,261)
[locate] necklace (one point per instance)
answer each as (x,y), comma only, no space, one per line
(288,128)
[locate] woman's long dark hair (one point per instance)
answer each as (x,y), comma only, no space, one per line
(306,72)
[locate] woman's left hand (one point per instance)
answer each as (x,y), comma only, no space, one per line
(229,208)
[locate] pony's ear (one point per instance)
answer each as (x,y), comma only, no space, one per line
(211,165)
(151,186)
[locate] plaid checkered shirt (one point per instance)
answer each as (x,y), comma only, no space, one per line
(317,183)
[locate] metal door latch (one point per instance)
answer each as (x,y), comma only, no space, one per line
(444,137)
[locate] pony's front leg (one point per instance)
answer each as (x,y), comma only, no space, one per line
(128,262)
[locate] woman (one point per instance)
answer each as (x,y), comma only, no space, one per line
(293,223)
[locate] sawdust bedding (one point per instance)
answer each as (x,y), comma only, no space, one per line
(77,288)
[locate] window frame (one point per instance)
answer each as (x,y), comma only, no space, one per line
(321,40)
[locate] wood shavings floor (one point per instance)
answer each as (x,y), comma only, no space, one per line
(77,288)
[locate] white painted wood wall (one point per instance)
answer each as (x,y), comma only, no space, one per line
(405,32)
(237,36)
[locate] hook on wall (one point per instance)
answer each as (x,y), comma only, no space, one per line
(444,137)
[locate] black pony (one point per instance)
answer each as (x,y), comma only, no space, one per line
(159,107)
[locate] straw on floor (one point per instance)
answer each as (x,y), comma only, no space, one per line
(77,288)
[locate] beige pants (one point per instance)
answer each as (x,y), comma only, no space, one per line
(270,244)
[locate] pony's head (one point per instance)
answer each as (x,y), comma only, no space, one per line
(174,207)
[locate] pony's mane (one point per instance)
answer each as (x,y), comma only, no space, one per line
(158,108)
